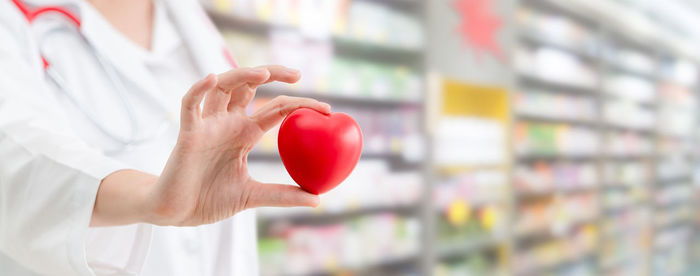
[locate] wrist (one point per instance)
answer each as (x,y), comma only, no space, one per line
(123,198)
(146,198)
(162,206)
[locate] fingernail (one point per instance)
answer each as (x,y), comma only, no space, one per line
(259,70)
(293,73)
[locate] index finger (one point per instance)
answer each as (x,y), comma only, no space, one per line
(274,111)
(236,78)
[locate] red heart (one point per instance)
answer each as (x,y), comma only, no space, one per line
(319,150)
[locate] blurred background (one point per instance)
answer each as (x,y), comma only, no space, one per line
(502,137)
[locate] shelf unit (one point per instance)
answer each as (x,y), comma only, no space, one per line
(674,259)
(638,192)
(412,59)
(624,207)
(585,181)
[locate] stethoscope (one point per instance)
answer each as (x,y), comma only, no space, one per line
(110,72)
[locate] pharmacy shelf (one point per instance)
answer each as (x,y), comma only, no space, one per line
(373,52)
(372,268)
(544,119)
(620,232)
(603,66)
(627,128)
(544,269)
(342,45)
(412,59)
(629,157)
(473,244)
(336,99)
(544,232)
(620,207)
(534,40)
(527,158)
(618,262)
(398,3)
(612,186)
(527,80)
(415,58)
(529,195)
(327,217)
(683,179)
(618,68)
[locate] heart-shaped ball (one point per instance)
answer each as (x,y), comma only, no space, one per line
(319,150)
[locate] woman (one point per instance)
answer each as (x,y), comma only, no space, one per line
(97,164)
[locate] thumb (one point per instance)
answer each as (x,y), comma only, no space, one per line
(279,195)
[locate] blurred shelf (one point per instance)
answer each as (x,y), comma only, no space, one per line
(320,217)
(623,40)
(545,232)
(370,268)
(400,4)
(643,203)
(473,203)
(620,261)
(624,128)
(672,136)
(673,204)
(460,248)
(342,45)
(671,227)
(673,224)
(628,157)
(619,68)
(555,157)
(406,260)
(682,179)
(646,104)
(377,53)
(566,10)
(552,120)
(626,185)
(633,228)
(556,87)
(446,170)
(665,79)
(524,195)
(335,99)
(533,39)
(411,60)
(618,205)
(254,26)
(543,269)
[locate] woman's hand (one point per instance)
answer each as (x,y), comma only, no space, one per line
(206,177)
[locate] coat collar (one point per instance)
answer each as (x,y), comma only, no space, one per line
(205,44)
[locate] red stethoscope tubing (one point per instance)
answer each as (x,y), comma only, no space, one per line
(33,14)
(30,15)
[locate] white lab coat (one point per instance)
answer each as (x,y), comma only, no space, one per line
(52,159)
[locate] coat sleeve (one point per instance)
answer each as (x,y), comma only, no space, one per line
(49,177)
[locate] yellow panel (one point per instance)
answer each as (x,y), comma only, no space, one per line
(464,99)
